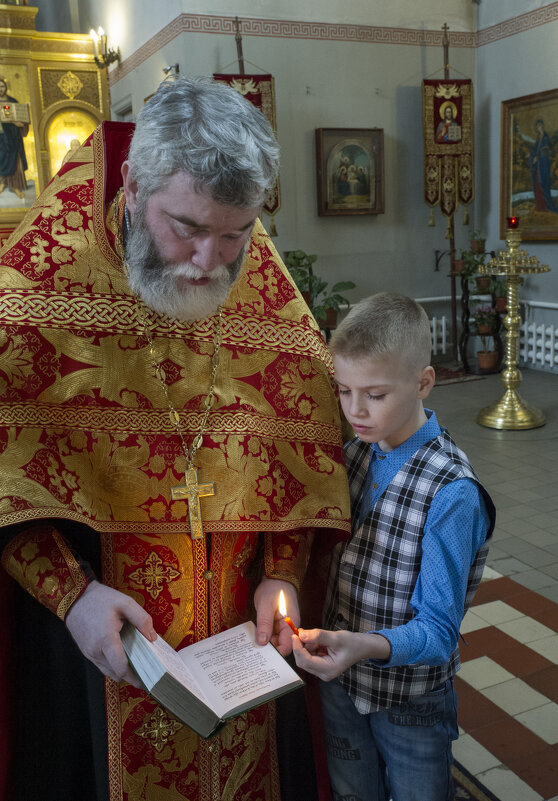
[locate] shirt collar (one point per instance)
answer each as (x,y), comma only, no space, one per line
(428,430)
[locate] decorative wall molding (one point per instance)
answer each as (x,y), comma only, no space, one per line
(524,22)
(326,31)
(286,29)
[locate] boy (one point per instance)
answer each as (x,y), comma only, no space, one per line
(399,588)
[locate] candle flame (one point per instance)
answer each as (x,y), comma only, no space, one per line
(282,604)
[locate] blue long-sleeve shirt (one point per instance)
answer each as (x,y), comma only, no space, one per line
(456,527)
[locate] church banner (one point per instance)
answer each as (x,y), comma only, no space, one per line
(447,115)
(259,90)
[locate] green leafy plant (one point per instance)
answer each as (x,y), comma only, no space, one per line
(499,287)
(299,264)
(476,241)
(473,261)
(332,299)
(315,290)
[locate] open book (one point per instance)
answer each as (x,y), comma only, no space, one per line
(14,112)
(213,680)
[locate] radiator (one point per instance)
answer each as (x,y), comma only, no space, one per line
(538,346)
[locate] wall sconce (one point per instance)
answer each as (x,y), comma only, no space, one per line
(102,54)
(173,69)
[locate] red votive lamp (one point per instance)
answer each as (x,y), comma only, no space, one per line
(513,222)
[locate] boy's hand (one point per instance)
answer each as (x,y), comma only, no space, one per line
(327,654)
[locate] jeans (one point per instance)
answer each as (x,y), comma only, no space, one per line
(402,753)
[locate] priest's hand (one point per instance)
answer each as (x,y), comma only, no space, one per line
(95,620)
(270,623)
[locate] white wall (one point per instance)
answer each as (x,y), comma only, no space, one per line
(143,18)
(324,82)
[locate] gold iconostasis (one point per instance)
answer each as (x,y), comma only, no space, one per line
(52,96)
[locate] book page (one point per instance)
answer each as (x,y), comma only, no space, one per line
(232,670)
(14,112)
(176,666)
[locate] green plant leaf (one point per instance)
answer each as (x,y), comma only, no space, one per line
(343,286)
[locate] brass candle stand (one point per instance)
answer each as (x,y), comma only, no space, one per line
(511,411)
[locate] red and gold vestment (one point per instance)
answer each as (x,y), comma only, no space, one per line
(86,438)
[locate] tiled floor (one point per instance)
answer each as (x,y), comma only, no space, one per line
(508,684)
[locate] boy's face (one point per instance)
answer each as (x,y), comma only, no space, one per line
(382,398)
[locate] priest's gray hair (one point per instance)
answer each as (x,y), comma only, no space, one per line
(209,131)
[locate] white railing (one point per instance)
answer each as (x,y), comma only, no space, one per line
(538,346)
(438,327)
(538,343)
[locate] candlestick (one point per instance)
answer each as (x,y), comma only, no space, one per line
(511,411)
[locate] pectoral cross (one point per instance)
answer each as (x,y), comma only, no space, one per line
(193,492)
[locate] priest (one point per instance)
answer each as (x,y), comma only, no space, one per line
(170,450)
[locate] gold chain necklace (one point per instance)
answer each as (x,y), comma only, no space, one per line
(192,490)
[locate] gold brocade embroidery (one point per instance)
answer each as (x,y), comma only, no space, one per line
(41,562)
(175,601)
(243,559)
(158,728)
(99,422)
(154,575)
(253,738)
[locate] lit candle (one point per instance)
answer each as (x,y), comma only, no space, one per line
(95,39)
(513,222)
(283,611)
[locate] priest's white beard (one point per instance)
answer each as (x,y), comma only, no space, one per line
(160,285)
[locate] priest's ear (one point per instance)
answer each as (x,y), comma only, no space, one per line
(130,188)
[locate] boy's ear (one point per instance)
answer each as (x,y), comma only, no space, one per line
(427,379)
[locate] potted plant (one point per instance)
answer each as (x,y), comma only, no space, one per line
(487,360)
(324,302)
(500,291)
(328,304)
(299,264)
(473,261)
(458,264)
(486,319)
(476,242)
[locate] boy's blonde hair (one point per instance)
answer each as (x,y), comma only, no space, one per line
(385,323)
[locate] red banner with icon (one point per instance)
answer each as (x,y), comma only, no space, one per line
(447,116)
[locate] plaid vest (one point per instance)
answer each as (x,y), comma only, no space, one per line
(373,577)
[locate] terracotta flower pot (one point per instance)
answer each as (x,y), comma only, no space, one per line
(477,245)
(458,265)
(500,304)
(483,283)
(484,328)
(487,359)
(331,318)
